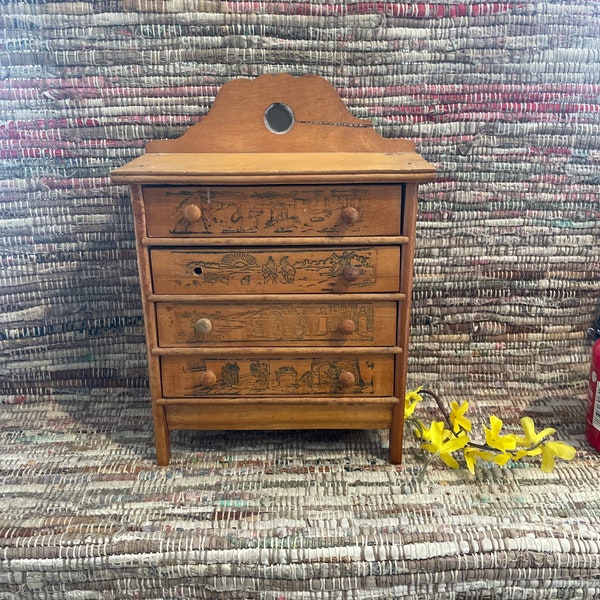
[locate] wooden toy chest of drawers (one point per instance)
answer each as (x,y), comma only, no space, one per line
(276,265)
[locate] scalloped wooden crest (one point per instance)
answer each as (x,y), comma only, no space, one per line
(321,122)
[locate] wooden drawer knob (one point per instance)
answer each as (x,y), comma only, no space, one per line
(351,273)
(347,326)
(192,212)
(208,379)
(350,215)
(346,379)
(203,326)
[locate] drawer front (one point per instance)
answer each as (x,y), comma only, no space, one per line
(279,323)
(277,210)
(185,376)
(276,270)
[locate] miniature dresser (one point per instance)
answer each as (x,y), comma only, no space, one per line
(275,245)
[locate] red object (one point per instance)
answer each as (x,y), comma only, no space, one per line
(592,425)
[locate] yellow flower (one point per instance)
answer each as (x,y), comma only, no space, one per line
(411,400)
(551,450)
(472,454)
(442,442)
(531,437)
(457,416)
(497,441)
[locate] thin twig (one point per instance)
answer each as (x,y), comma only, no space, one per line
(441,406)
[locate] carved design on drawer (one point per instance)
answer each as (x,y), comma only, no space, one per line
(364,323)
(268,376)
(273,211)
(285,323)
(273,270)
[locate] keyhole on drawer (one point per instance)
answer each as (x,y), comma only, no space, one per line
(197,270)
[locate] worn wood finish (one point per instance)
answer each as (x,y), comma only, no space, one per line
(254,351)
(280,416)
(373,240)
(277,375)
(278,323)
(236,121)
(287,298)
(277,210)
(269,168)
(275,264)
(162,438)
(233,401)
(409,220)
(275,270)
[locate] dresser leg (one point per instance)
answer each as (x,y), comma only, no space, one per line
(162,436)
(396,432)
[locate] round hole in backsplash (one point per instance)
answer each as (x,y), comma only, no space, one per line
(279,118)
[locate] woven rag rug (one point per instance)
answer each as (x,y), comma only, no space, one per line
(504,98)
(279,515)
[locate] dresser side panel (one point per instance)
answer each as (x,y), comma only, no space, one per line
(409,220)
(161,430)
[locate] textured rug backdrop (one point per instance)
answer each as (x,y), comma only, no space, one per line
(504,98)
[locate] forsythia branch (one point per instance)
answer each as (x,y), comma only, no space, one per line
(453,435)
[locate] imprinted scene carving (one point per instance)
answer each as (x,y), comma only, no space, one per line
(281,376)
(275,322)
(276,269)
(271,211)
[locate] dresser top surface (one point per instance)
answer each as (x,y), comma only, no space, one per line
(275,167)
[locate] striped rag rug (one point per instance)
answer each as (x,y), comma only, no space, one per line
(504,98)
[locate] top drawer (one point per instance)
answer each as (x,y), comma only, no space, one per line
(272,211)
